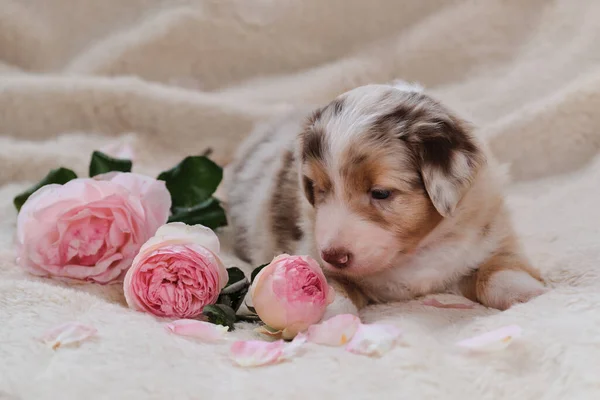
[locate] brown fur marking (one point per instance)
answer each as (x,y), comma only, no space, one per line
(408,210)
(475,285)
(285,213)
(431,130)
(313,145)
(315,173)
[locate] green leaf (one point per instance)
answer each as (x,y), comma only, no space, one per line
(235,291)
(233,300)
(208,213)
(235,275)
(101,163)
(225,300)
(256,271)
(192,181)
(220,314)
(57,176)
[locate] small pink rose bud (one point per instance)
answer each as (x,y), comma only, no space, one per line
(290,294)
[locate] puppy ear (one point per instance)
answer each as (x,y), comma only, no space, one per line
(448,157)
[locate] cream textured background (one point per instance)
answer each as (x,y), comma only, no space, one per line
(172,77)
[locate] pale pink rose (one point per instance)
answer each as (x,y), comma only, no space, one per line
(290,294)
(90,229)
(176,273)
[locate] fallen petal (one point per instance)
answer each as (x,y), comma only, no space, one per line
(335,331)
(497,339)
(293,348)
(198,329)
(255,353)
(373,339)
(68,333)
(436,303)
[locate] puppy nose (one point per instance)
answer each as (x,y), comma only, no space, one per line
(338,257)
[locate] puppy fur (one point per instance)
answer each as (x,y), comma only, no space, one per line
(390,191)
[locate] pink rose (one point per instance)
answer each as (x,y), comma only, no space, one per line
(90,229)
(177,272)
(290,294)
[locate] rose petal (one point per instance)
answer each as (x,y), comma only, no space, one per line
(293,348)
(198,329)
(436,303)
(335,331)
(152,194)
(254,353)
(497,339)
(373,339)
(330,295)
(198,234)
(70,332)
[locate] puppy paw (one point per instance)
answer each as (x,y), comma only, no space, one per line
(509,287)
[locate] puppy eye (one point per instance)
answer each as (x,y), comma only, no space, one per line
(317,189)
(380,194)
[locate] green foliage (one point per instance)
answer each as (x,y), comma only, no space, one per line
(101,164)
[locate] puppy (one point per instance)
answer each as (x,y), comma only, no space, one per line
(390,191)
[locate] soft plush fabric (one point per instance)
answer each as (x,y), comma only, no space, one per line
(172,78)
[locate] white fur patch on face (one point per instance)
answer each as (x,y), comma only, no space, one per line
(371,247)
(360,108)
(330,226)
(509,287)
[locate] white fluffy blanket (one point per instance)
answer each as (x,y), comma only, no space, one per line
(174,77)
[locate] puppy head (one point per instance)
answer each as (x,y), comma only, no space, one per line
(382,166)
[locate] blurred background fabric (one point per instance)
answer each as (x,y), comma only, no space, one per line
(172,78)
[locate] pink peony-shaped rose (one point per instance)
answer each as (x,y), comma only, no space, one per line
(177,272)
(290,294)
(90,229)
